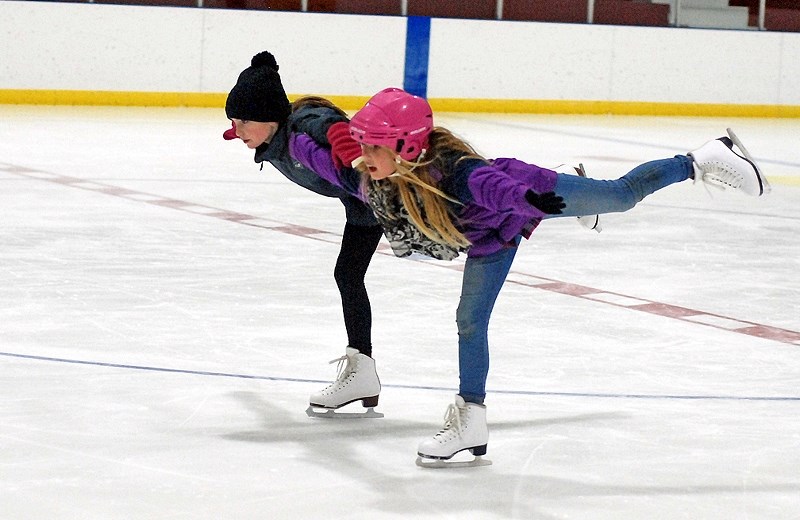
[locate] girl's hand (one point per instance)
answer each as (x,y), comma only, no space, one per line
(230,133)
(548,202)
(344,149)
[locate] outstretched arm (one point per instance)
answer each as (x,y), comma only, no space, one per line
(329,129)
(319,160)
(511,186)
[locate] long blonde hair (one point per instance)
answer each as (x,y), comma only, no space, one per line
(431,210)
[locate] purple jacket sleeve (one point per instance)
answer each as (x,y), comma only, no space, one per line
(318,159)
(501,186)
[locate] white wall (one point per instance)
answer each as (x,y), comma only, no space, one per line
(64,46)
(519,60)
(163,49)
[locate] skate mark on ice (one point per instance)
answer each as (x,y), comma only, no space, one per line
(696,317)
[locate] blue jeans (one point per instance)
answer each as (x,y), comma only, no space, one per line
(593,196)
(484,276)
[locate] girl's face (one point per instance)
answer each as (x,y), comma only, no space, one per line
(379,160)
(255,133)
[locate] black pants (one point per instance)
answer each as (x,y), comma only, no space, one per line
(358,245)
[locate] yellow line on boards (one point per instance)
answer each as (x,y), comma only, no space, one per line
(110,98)
(520,106)
(632,108)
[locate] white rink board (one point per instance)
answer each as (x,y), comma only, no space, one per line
(65,46)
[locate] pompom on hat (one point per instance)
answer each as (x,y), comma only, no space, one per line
(258,94)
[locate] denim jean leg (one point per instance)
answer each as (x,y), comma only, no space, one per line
(483,278)
(586,196)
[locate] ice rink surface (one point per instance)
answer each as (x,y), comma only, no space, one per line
(166,309)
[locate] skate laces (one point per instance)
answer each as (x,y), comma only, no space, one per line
(452,421)
(343,368)
(720,173)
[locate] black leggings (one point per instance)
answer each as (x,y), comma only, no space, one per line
(358,245)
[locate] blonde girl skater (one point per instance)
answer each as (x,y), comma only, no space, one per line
(434,195)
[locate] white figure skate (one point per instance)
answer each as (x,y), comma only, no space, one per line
(590,222)
(464,429)
(357,381)
(717,164)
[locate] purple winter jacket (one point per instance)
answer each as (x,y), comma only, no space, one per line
(494,210)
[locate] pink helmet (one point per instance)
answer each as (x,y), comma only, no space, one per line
(396,119)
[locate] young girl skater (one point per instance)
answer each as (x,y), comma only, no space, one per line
(263,118)
(433,194)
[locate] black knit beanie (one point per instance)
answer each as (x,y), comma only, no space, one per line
(258,94)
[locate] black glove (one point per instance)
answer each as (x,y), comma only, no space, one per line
(548,202)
